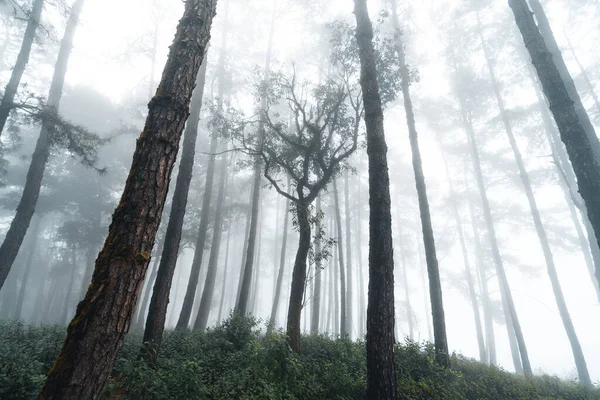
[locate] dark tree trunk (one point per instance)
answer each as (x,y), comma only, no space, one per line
(316,305)
(28,265)
(574,126)
(381,367)
(6,104)
(340,253)
(349,292)
(33,183)
(96,333)
(299,274)
(211,273)
(190,293)
(435,285)
(157,312)
(282,261)
(244,252)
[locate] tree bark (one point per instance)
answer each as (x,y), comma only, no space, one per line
(10,91)
(211,273)
(33,183)
(157,312)
(341,265)
(98,329)
(435,285)
(282,260)
(381,368)
(316,305)
(299,274)
(190,293)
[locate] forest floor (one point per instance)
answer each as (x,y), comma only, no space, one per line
(233,361)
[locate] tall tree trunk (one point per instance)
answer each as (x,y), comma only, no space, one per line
(381,367)
(490,339)
(340,253)
(435,285)
(505,291)
(349,269)
(244,252)
(256,275)
(582,370)
(190,293)
(28,264)
(576,130)
(96,333)
(225,270)
(157,312)
(282,261)
(241,306)
(6,104)
(299,273)
(211,273)
(316,305)
(33,183)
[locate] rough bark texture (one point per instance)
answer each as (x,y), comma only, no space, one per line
(190,293)
(157,312)
(276,299)
(211,273)
(6,104)
(98,329)
(316,304)
(341,265)
(381,368)
(435,285)
(33,183)
(299,275)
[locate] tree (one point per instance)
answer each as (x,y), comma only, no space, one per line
(98,329)
(55,131)
(381,367)
(6,104)
(435,285)
(157,313)
(343,294)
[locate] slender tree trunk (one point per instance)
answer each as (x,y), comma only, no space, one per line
(349,269)
(574,125)
(241,306)
(190,293)
(336,292)
(6,104)
(338,225)
(244,252)
(28,264)
(316,305)
(381,367)
(33,183)
(282,261)
(141,310)
(256,275)
(225,270)
(435,285)
(211,273)
(299,274)
(361,286)
(490,339)
(157,312)
(96,333)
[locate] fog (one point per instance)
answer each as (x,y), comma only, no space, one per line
(261,55)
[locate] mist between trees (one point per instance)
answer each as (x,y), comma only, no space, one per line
(374,171)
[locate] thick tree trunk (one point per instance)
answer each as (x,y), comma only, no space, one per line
(435,285)
(33,183)
(316,305)
(349,269)
(299,274)
(574,126)
(157,312)
(211,273)
(6,104)
(192,287)
(96,333)
(340,254)
(381,367)
(282,261)
(28,265)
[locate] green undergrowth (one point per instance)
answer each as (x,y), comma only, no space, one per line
(233,361)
